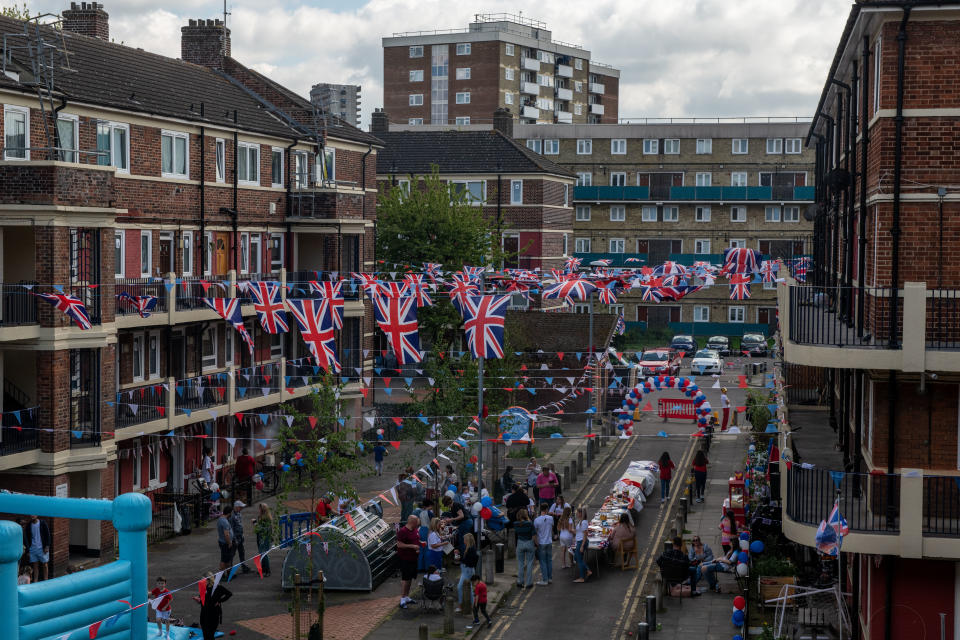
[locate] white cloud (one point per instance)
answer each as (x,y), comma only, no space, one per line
(677,57)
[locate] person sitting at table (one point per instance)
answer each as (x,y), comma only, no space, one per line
(676,557)
(624,533)
(721,564)
(699,554)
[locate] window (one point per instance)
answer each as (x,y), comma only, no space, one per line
(701,314)
(507,98)
(578,109)
(792,145)
(67,138)
(578,64)
(618,146)
(475,190)
(581,245)
(584,179)
(416,99)
(615,309)
(650,146)
(138,357)
(577,85)
(566,242)
(617,245)
(738,179)
(208,251)
(146,253)
(416,52)
(671,214)
(704,146)
(221,159)
(187,241)
(774,145)
(702,214)
(551,147)
(545,103)
(462,120)
(735,314)
(877,68)
(791,214)
(416,75)
(618,213)
(301,172)
(244,252)
(738,243)
(16,133)
(137,467)
(583,213)
(463,49)
(516,192)
(328,167)
(248,167)
(584,147)
(701,246)
(415,121)
(255,253)
(276,252)
(581,307)
(276,345)
(228,346)
(740,145)
(463,73)
(738,214)
(535,145)
(704,179)
(566,198)
(671,146)
(545,57)
(509,74)
(772,214)
(153,355)
(509,50)
(118,253)
(618,179)
(208,348)
(113,145)
(276,167)
(649,214)
(153,457)
(174,154)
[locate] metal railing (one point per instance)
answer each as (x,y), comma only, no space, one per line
(720,119)
(19,433)
(19,306)
(941,505)
(863,498)
(301,373)
(139,287)
(943,319)
(191,291)
(138,405)
(258,380)
(826,317)
(192,508)
(805,385)
(200,392)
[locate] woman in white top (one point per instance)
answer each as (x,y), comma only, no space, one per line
(580,545)
(566,528)
(555,510)
(435,544)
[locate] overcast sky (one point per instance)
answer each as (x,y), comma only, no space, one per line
(677,57)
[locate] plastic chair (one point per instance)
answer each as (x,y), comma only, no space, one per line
(628,556)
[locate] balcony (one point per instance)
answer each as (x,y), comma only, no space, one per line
(18,306)
(531,64)
(19,432)
(689,194)
(142,404)
(617,259)
(596,109)
(564,71)
(564,117)
(138,289)
(596,87)
(530,88)
(564,94)
(530,112)
(257,381)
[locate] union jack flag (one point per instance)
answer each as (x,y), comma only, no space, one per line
(838,522)
(269,308)
(141,304)
(571,288)
(472,273)
(572,264)
(607,295)
(739,286)
(418,290)
(397,318)
(826,539)
(621,327)
(483,323)
(432,269)
(70,305)
(800,272)
(649,293)
(460,288)
(768,270)
(332,292)
(316,328)
(369,282)
(229,310)
(633,260)
(740,260)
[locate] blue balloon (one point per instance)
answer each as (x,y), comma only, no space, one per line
(300,462)
(742,556)
(486,501)
(452,487)
(470,466)
(360,446)
(215,496)
(688,393)
(738,637)
(495,511)
(285,467)
(738,618)
(744,535)
(556,435)
(379,436)
(756,546)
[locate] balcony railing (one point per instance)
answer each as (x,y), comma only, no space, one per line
(617,259)
(257,381)
(530,112)
(596,109)
(19,306)
(531,64)
(563,117)
(564,71)
(564,94)
(943,319)
(531,88)
(823,316)
(301,280)
(941,506)
(596,87)
(190,292)
(714,194)
(20,431)
(863,499)
(138,405)
(201,392)
(139,287)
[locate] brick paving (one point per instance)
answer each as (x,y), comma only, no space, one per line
(341,622)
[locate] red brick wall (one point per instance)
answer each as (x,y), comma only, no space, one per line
(483,85)
(397,87)
(611,99)
(926,434)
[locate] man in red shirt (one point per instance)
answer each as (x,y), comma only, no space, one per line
(408,550)
(245,467)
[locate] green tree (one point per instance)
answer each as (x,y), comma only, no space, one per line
(21,12)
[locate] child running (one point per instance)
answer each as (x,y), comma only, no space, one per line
(479,600)
(162,599)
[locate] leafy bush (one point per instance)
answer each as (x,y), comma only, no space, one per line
(773,565)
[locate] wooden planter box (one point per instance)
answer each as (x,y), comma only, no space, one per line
(768,587)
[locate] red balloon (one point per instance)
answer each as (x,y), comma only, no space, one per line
(739,602)
(485,513)
(473,459)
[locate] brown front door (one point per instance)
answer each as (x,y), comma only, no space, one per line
(221,253)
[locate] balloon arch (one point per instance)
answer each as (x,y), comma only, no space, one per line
(631,402)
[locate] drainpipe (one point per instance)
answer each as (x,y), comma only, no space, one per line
(56,132)
(288,256)
(203,210)
(363,198)
(845,116)
(864,142)
(236,187)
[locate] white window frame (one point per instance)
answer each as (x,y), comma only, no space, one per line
(416,75)
(146,273)
(186,252)
(735,212)
(701,246)
(174,136)
(578,85)
(651,146)
(273,183)
(137,475)
(551,147)
(329,162)
(466,187)
(70,154)
(877,68)
(463,73)
(463,48)
(578,108)
(462,121)
(152,351)
(704,146)
(228,345)
(220,159)
(738,243)
(648,213)
(25,112)
(674,212)
(415,121)
(509,73)
(771,213)
(508,97)
(793,146)
(584,146)
(584,179)
(209,362)
(618,146)
(617,245)
(618,213)
(256,255)
(791,214)
(120,269)
(702,213)
(615,309)
(514,197)
(245,148)
(462,97)
(671,146)
(618,179)
(581,307)
(774,146)
(167,236)
(582,245)
(703,179)
(208,251)
(736,314)
(738,176)
(578,64)
(113,127)
(583,213)
(509,50)
(415,100)
(740,146)
(244,252)
(416,51)
(275,268)
(535,145)
(276,345)
(138,355)
(701,313)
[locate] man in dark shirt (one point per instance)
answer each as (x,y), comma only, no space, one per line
(673,560)
(516,501)
(408,549)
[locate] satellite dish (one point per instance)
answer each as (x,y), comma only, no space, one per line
(810,212)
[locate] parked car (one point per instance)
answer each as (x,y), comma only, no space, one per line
(706,361)
(720,344)
(754,344)
(660,361)
(686,344)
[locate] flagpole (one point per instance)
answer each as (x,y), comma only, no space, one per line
(589,360)
(480,564)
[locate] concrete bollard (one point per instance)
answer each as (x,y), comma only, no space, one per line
(684,507)
(511,544)
(658,590)
(652,611)
(643,631)
(570,471)
(580,463)
(466,595)
(589,452)
(498,555)
(489,568)
(448,615)
(679,525)
(424,632)
(668,544)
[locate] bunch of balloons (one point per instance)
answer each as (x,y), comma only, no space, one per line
(631,402)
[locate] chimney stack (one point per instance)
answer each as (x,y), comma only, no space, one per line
(87,19)
(205,42)
(503,121)
(379,122)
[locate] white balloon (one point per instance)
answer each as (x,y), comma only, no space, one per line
(477,507)
(744,545)
(743,570)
